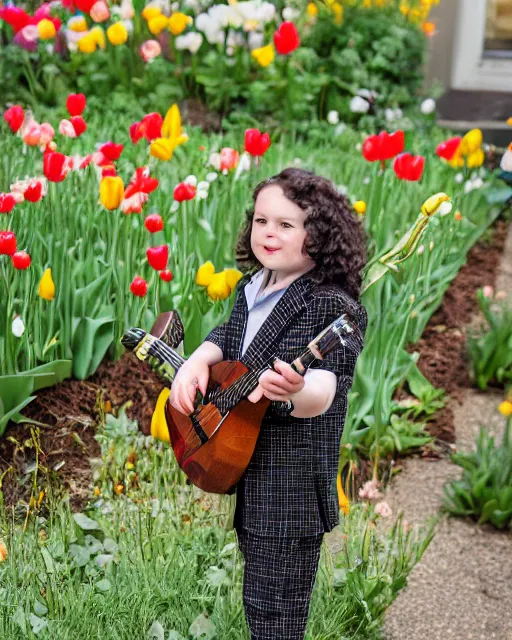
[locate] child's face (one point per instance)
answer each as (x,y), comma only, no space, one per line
(278,224)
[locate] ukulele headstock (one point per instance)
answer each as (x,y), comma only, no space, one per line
(334,335)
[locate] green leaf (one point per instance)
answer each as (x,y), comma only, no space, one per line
(85,523)
(488,510)
(104,585)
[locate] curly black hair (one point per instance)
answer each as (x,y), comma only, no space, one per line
(335,239)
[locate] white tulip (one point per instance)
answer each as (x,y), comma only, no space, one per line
(333,117)
(428,106)
(290,14)
(191,180)
(506,161)
(212,176)
(359,105)
(18,327)
(445,208)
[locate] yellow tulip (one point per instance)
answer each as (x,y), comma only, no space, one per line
(218,289)
(46,289)
(161,148)
(509,122)
(360,207)
(87,44)
(171,127)
(312,9)
(457,160)
(151,12)
(505,408)
(475,159)
(77,24)
(111,192)
(343,502)
(232,277)
(264,55)
(98,35)
(117,34)
(337,9)
(471,142)
(159,428)
(432,204)
(204,274)
(157,24)
(178,23)
(46,29)
(3,551)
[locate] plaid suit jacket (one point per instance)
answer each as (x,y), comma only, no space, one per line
(289,488)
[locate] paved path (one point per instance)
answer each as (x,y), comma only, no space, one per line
(462,588)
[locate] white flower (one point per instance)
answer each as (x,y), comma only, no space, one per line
(290,14)
(202,189)
(244,164)
(506,161)
(370,491)
(359,147)
(431,245)
(212,176)
(366,93)
(359,105)
(468,186)
(204,185)
(214,160)
(383,510)
(445,208)
(366,180)
(459,178)
(477,183)
(428,106)
(191,180)
(190,41)
(297,161)
(18,327)
(255,40)
(333,117)
(421,249)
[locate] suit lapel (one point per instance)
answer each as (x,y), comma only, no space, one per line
(262,347)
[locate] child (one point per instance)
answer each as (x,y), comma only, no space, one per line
(303,249)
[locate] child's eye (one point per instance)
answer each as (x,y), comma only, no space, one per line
(287,225)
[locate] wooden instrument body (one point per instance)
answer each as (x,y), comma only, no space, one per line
(217,464)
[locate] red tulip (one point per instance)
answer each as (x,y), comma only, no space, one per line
(383,146)
(14,118)
(165,275)
(85,6)
(75,104)
(16,17)
(21,260)
(34,191)
(79,125)
(7,202)
(139,287)
(7,243)
(141,181)
(286,38)
(158,257)
(108,170)
(150,127)
(256,143)
(229,158)
(54,165)
(111,150)
(409,167)
(184,191)
(154,223)
(448,148)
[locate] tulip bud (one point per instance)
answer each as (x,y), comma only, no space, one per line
(165,275)
(46,289)
(111,192)
(21,260)
(154,223)
(158,257)
(139,287)
(7,243)
(360,207)
(75,104)
(204,274)
(14,116)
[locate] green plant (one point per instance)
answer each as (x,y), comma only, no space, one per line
(490,352)
(485,489)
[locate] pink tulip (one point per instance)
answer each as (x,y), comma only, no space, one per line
(67,129)
(100,12)
(149,50)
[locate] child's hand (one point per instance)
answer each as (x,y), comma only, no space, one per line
(192,375)
(278,385)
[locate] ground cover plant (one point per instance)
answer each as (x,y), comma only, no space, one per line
(283,61)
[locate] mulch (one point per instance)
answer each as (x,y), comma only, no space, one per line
(70,410)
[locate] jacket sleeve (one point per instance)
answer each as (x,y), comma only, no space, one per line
(341,360)
(218,336)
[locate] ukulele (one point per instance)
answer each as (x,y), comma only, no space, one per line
(214,444)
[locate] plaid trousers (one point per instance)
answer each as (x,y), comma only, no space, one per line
(279,575)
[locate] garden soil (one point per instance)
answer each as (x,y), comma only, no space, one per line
(70,411)
(462,587)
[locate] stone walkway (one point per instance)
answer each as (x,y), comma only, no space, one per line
(462,588)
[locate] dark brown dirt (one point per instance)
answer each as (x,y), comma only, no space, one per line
(70,410)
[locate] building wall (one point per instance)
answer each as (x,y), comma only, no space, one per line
(439,64)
